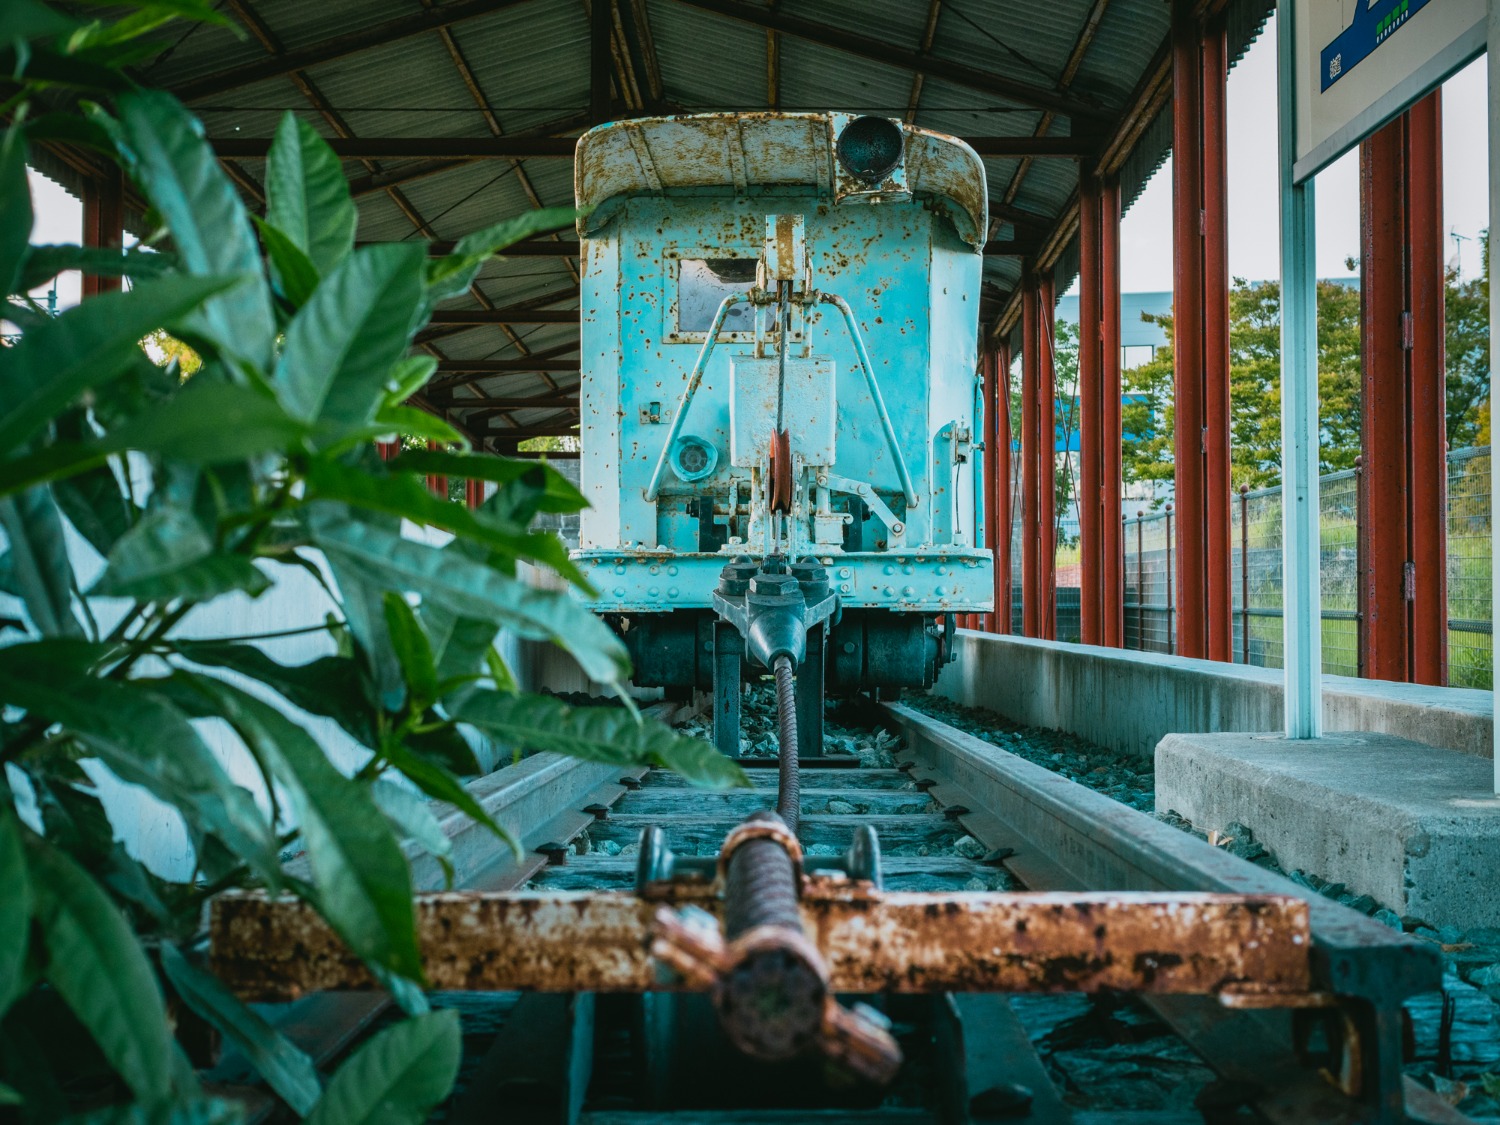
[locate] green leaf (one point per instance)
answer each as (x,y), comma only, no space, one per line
(294,275)
(441,785)
(413,422)
(49,464)
(245,423)
(286,1069)
(15,210)
(460,644)
(600,734)
(15,919)
(184,1111)
(164,147)
(89,345)
(162,542)
(199,580)
(414,818)
(142,738)
(24,20)
(329,686)
(472,588)
(98,967)
(38,561)
(409,377)
(398,1077)
(9,1096)
(559,493)
(342,344)
(307,196)
(413,650)
(405,495)
(364,885)
(450,275)
(46,262)
(96,506)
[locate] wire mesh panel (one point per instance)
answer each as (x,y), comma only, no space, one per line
(1256,576)
(1470,617)
(1338,514)
(1148,583)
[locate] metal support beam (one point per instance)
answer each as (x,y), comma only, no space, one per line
(1302,626)
(1200,346)
(503,366)
(1403,588)
(1004,493)
(1090,410)
(990,442)
(339,46)
(864,46)
(1030,532)
(515,315)
(1111,531)
(601,28)
(103,222)
(1038,460)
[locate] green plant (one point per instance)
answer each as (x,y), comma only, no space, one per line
(191,489)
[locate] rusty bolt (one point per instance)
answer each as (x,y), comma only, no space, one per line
(953,812)
(925,783)
(600,812)
(631,783)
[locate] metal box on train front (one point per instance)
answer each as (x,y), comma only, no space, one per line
(806,404)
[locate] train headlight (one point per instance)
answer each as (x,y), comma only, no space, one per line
(693,458)
(870,148)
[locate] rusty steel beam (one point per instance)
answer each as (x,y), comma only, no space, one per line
(1046,450)
(1218,589)
(864,46)
(1403,473)
(340,46)
(1172,944)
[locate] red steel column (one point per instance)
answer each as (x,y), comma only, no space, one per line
(1403,478)
(1200,313)
(103,223)
(990,377)
(1090,407)
(1187,325)
(1216,501)
(1030,495)
(1427,399)
(1046,448)
(1002,494)
(1111,531)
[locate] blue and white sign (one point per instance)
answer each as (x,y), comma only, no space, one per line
(1359,63)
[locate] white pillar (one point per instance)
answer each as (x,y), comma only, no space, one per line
(1301,601)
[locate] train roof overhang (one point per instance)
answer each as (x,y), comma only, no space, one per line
(733,151)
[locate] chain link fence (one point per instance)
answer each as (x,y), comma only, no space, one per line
(1255,563)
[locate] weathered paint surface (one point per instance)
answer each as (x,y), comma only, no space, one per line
(871,942)
(669,194)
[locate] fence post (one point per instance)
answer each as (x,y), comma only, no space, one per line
(1245,573)
(1171,602)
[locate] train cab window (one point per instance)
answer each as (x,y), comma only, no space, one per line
(702,283)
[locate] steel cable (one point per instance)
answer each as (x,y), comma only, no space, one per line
(789,780)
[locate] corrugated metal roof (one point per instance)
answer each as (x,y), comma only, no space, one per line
(530,63)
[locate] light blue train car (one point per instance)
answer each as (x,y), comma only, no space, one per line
(779,362)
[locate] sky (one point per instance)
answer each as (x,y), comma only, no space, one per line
(1146,233)
(1254,215)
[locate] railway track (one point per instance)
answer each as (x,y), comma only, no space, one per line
(614,1059)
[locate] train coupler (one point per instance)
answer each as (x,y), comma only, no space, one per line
(768,980)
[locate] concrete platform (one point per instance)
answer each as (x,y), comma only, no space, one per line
(1413,826)
(1129,701)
